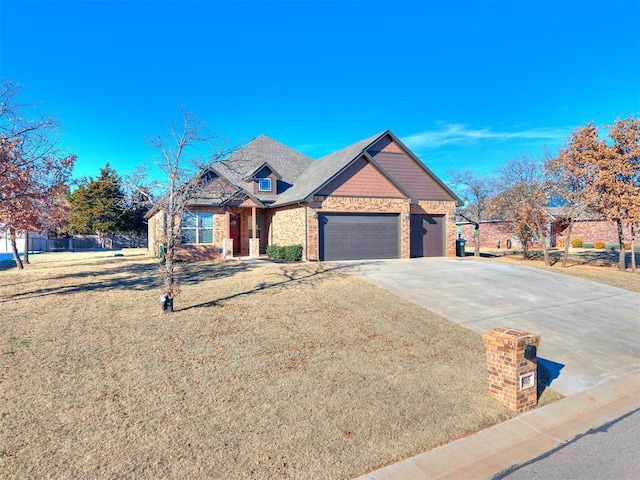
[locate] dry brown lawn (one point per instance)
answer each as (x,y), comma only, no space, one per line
(274,371)
(596,265)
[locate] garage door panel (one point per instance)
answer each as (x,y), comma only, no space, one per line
(427,237)
(359,236)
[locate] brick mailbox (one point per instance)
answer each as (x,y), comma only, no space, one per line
(511,367)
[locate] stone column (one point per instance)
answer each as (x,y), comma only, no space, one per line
(511,367)
(227,247)
(254,247)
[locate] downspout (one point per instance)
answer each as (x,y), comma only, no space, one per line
(306,232)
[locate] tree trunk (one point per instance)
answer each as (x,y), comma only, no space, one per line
(25,256)
(633,248)
(476,250)
(525,249)
(567,242)
(172,232)
(622,264)
(14,249)
(543,242)
(545,249)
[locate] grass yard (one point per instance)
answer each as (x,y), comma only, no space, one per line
(274,371)
(595,265)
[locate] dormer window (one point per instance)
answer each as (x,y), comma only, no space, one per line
(264,184)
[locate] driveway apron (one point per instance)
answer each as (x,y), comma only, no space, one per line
(590,332)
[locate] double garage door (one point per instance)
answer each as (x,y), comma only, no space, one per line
(345,236)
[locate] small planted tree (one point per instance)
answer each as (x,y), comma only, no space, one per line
(185,154)
(523,200)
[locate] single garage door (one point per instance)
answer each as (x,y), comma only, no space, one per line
(427,236)
(358,236)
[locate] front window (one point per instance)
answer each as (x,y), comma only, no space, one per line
(264,184)
(197,227)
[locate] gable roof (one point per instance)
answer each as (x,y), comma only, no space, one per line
(305,175)
(323,170)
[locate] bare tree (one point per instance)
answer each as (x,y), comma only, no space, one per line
(475,190)
(523,200)
(186,155)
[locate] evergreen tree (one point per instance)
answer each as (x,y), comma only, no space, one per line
(98,206)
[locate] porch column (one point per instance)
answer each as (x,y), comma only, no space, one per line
(254,241)
(227,242)
(254,222)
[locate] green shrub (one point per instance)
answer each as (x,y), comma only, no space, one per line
(293,253)
(600,245)
(289,253)
(612,246)
(587,245)
(576,242)
(275,251)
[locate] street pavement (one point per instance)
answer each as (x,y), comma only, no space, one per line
(603,453)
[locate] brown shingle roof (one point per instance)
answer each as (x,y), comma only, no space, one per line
(288,162)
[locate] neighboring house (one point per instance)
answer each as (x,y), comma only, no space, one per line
(371,200)
(589,227)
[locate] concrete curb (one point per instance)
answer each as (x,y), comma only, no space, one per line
(523,438)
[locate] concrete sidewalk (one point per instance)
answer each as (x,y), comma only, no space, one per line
(521,439)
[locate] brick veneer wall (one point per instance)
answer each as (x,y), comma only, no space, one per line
(506,364)
(490,234)
(588,230)
(155,233)
(598,231)
(207,251)
(445,208)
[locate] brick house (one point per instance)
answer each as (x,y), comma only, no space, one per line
(590,228)
(373,199)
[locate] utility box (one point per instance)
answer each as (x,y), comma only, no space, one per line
(512,367)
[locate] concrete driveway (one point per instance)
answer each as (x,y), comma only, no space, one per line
(590,333)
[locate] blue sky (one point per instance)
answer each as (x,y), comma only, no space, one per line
(464,84)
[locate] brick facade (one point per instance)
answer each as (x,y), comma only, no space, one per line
(493,234)
(597,231)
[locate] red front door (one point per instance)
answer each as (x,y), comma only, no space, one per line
(234,231)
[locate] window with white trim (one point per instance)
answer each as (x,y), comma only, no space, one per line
(264,184)
(197,227)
